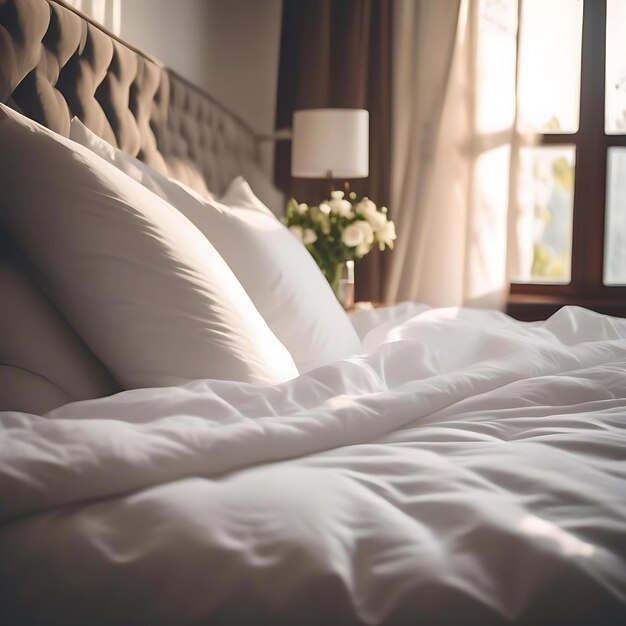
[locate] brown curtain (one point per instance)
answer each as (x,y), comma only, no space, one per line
(337,53)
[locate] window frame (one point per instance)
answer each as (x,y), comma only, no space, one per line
(586,287)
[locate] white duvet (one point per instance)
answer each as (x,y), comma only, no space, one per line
(468,469)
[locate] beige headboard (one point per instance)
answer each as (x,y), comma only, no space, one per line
(56,63)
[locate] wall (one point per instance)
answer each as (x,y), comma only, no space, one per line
(176,32)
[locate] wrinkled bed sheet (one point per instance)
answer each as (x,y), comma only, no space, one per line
(466,469)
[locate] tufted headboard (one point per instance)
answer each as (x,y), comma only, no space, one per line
(56,63)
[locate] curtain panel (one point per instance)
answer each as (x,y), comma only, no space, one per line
(338,55)
(462,234)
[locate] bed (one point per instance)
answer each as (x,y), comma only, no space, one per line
(437,466)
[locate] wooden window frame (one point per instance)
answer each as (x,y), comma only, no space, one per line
(531,301)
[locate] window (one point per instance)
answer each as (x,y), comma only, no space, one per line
(572,95)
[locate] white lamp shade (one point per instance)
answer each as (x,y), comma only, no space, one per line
(330,141)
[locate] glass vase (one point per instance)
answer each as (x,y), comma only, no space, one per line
(342,283)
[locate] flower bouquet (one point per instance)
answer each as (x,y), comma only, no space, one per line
(340,231)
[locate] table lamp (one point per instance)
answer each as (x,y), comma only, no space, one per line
(330,143)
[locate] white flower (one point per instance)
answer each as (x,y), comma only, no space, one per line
(367,230)
(386,235)
(302,208)
(324,208)
(336,194)
(377,220)
(296,231)
(325,223)
(358,233)
(308,236)
(352,236)
(366,207)
(340,206)
(362,249)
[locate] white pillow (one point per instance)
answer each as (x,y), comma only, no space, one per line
(262,188)
(284,281)
(276,270)
(142,286)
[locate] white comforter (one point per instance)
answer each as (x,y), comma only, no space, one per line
(468,469)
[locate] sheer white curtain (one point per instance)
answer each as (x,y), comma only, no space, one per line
(461,234)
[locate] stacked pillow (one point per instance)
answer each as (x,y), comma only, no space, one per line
(137,280)
(129,258)
(276,271)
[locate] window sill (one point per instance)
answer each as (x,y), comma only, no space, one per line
(534,307)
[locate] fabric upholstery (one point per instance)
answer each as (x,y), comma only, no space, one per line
(55,64)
